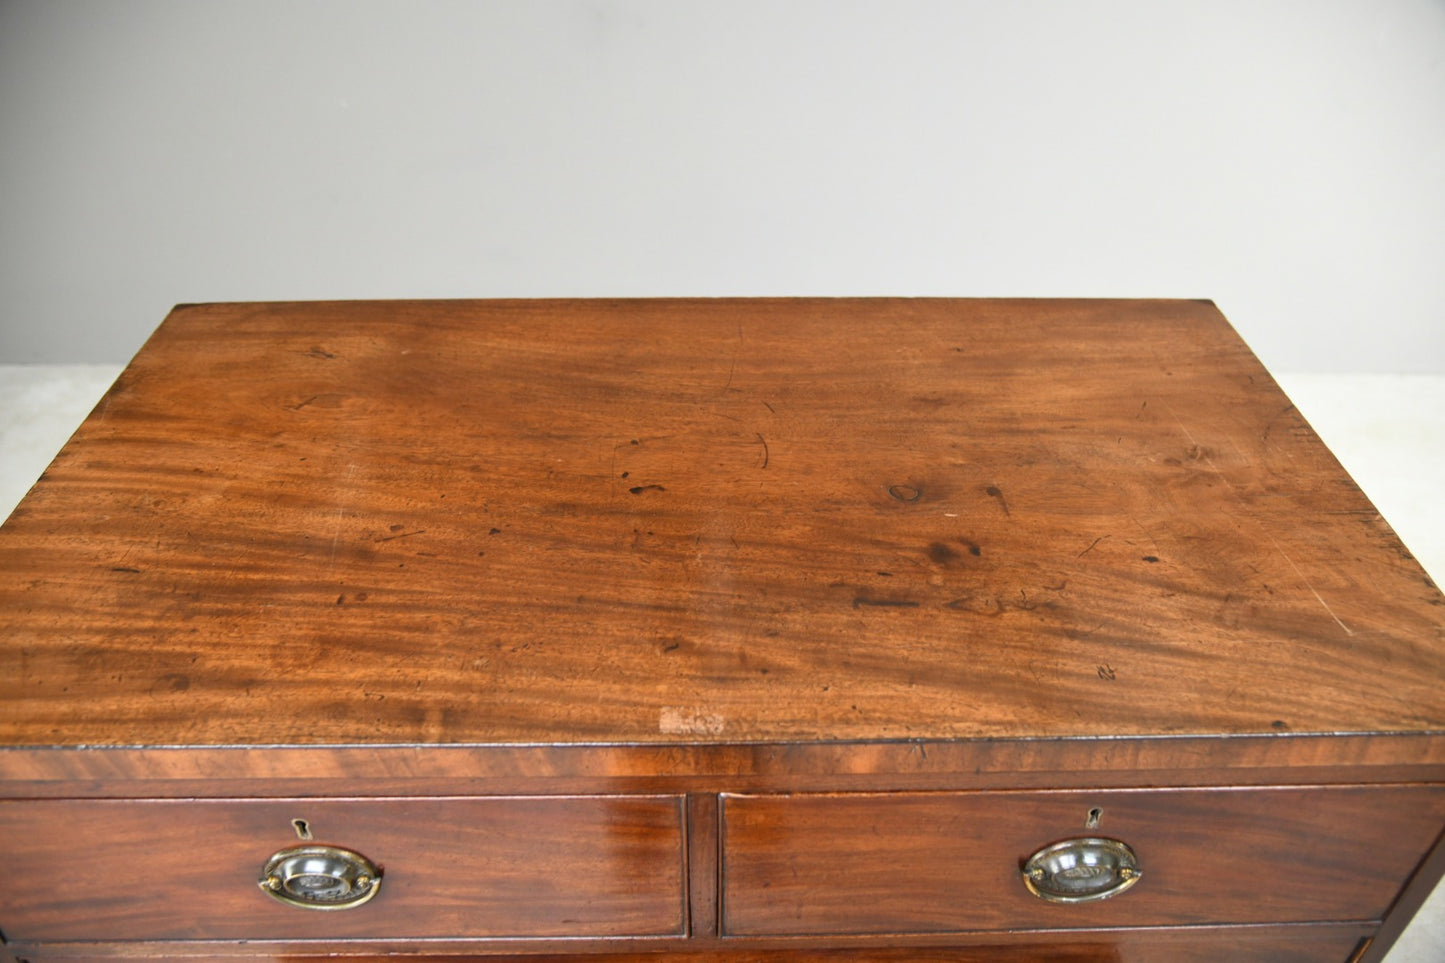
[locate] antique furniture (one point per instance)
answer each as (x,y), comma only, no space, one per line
(717,629)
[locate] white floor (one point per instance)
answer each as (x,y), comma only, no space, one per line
(1388,431)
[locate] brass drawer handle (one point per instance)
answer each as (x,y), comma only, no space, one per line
(320,877)
(1081,870)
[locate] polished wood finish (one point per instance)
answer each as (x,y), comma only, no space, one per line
(1411,898)
(910,863)
(703,827)
(454,868)
(1244,944)
(710,767)
(693,521)
(714,585)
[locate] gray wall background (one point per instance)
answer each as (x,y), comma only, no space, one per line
(1284,158)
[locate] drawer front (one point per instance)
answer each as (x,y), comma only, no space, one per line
(942,862)
(456,867)
(1277,944)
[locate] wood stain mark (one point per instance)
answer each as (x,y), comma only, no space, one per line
(861,600)
(1025,603)
(905,493)
(1107,673)
(1264,436)
(126,569)
(639,489)
(943,554)
(171,682)
(990,605)
(993,491)
(387,538)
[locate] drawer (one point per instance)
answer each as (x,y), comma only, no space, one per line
(942,862)
(588,866)
(1279,944)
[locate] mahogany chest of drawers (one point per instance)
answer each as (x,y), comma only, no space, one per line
(711,630)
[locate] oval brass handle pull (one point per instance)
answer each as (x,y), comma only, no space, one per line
(1081,870)
(320,877)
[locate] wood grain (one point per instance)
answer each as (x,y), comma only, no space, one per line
(1411,898)
(178,771)
(910,863)
(702,865)
(404,563)
(692,521)
(1331,943)
(453,868)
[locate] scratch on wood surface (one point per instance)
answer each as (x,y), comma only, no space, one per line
(1200,452)
(736,352)
(1147,534)
(1182,426)
(1311,587)
(340,514)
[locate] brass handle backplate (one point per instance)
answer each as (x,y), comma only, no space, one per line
(1081,870)
(320,877)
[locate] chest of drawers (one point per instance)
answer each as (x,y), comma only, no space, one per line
(711,630)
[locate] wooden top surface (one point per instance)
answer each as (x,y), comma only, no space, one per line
(702,521)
